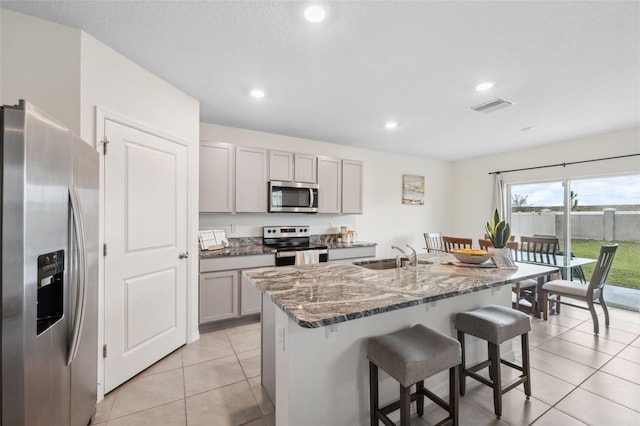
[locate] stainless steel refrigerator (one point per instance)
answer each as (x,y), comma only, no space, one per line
(49,271)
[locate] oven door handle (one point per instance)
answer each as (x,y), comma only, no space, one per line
(293,253)
(286,254)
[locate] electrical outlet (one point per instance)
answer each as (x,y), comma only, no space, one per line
(281,338)
(234,228)
(331,330)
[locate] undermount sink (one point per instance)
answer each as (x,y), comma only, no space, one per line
(381,263)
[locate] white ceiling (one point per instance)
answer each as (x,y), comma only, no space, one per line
(572,68)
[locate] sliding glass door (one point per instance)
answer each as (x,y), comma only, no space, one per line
(537,209)
(585,214)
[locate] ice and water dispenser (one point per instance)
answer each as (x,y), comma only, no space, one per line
(50,289)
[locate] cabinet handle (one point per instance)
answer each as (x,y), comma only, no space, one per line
(184,255)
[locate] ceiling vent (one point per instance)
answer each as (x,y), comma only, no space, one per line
(492,105)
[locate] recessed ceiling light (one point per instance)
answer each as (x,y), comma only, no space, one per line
(314,13)
(257,93)
(391,124)
(484,86)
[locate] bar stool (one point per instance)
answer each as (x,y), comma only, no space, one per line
(410,356)
(495,324)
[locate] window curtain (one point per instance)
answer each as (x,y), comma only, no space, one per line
(498,196)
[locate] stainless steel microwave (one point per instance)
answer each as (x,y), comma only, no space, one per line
(293,197)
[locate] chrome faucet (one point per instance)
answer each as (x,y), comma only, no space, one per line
(399,249)
(398,260)
(413,257)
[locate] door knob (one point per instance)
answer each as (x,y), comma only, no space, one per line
(184,255)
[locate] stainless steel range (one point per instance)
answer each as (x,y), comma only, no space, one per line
(288,241)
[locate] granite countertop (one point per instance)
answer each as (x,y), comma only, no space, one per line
(337,245)
(329,293)
(255,248)
(248,250)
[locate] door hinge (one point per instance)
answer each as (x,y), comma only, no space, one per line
(104,351)
(104,249)
(105,142)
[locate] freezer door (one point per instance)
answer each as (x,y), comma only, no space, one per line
(84,365)
(36,174)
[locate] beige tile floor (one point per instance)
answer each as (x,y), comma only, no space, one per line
(578,378)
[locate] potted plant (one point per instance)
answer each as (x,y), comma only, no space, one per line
(499,231)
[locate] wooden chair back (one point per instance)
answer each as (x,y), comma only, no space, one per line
(452,243)
(530,247)
(434,241)
(601,271)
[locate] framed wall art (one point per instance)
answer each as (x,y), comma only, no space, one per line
(413,190)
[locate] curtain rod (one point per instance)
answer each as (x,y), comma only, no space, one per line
(563,164)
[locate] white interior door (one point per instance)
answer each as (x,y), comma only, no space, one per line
(146,237)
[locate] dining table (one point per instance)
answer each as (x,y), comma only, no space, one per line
(565,265)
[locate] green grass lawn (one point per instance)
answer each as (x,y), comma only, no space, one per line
(625,271)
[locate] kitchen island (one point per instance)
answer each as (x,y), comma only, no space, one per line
(316,320)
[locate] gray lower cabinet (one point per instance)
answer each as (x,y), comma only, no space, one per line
(251,297)
(218,296)
(224,293)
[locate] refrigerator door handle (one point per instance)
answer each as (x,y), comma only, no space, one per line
(81,299)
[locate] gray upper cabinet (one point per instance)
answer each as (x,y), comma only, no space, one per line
(330,184)
(251,180)
(352,186)
(235,178)
(305,168)
(281,166)
(216,177)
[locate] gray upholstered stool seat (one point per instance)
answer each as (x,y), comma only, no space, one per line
(410,356)
(495,324)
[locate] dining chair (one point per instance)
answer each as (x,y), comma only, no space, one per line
(525,289)
(541,246)
(434,241)
(576,271)
(453,243)
(589,293)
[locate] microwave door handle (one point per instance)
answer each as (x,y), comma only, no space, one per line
(311,197)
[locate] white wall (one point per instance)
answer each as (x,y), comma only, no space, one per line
(473,186)
(40,62)
(114,83)
(69,74)
(385,221)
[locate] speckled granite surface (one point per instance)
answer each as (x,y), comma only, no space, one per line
(247,246)
(337,245)
(247,250)
(320,295)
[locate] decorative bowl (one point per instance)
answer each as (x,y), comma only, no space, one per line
(471,256)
